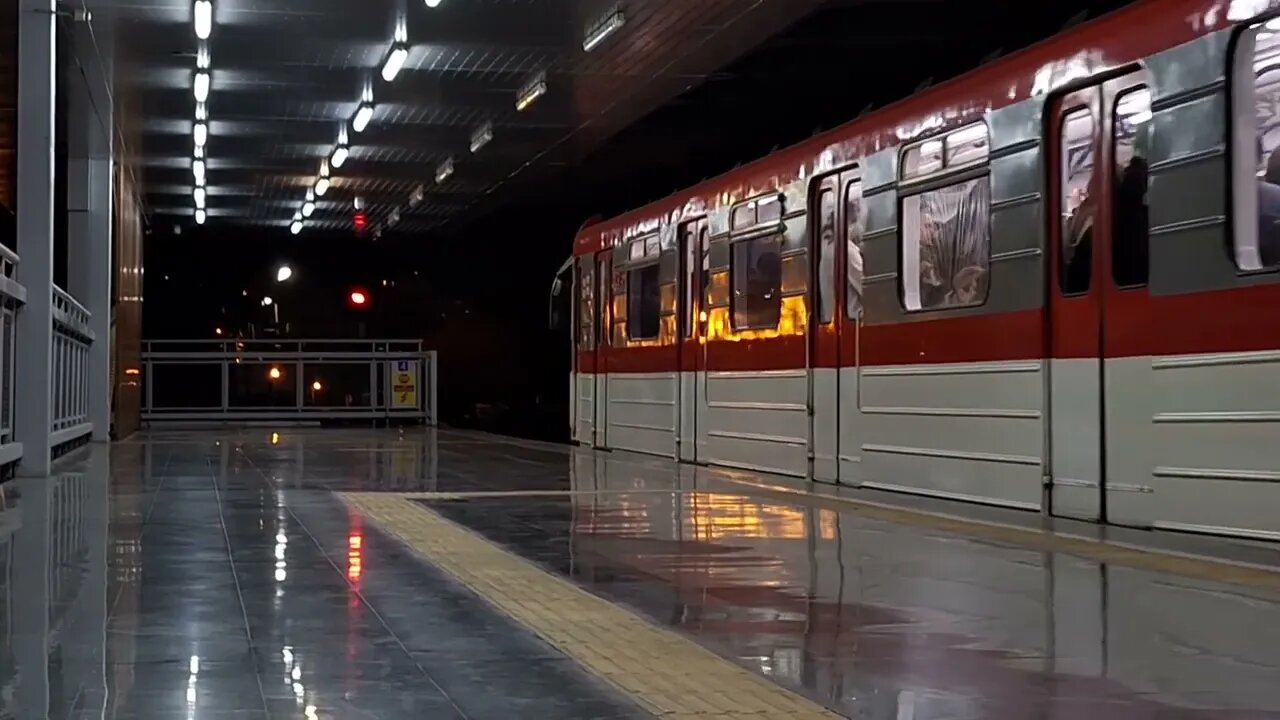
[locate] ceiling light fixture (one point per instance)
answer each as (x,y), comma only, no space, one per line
(296,227)
(363,115)
(339,155)
(395,60)
(419,194)
(534,89)
(203,17)
(197,169)
(201,134)
(200,196)
(481,137)
(434,3)
(444,171)
(201,86)
(308,208)
(202,111)
(322,186)
(200,216)
(600,32)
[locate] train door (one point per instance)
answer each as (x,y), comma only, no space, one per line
(835,243)
(1098,248)
(604,298)
(691,360)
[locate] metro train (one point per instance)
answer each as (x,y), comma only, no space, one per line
(1052,283)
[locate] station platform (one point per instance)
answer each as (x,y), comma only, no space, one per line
(444,574)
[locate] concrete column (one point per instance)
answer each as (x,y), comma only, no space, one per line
(89,208)
(36,72)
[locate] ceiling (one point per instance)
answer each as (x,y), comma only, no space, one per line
(287,77)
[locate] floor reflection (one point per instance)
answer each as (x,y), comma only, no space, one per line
(882,620)
(54,536)
(214,575)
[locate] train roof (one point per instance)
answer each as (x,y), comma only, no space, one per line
(1119,38)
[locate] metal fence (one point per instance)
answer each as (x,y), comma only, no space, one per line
(12,297)
(306,380)
(71,340)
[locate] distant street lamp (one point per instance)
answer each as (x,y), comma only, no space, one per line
(274,373)
(275,308)
(283,273)
(317,386)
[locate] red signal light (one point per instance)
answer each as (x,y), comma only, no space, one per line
(358,298)
(361,221)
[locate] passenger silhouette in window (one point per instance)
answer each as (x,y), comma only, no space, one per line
(1269,210)
(1077,247)
(1130,255)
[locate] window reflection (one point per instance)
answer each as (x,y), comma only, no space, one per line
(1079,197)
(1130,218)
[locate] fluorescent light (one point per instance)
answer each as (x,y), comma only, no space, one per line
(200,216)
(201,134)
(339,156)
(607,27)
(308,208)
(197,169)
(202,111)
(322,186)
(434,3)
(201,86)
(482,137)
(419,194)
(395,60)
(204,18)
(296,227)
(199,198)
(531,93)
(363,115)
(444,171)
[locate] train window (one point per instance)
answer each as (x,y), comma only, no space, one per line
(854,224)
(923,159)
(826,255)
(756,270)
(966,145)
(688,246)
(1130,238)
(586,307)
(1079,201)
(946,245)
(1255,147)
(768,209)
(744,216)
(962,147)
(643,247)
(643,303)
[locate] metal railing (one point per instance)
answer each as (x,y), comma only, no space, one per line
(12,297)
(72,337)
(242,380)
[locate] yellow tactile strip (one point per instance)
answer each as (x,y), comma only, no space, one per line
(662,671)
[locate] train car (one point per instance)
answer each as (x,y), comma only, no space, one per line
(1052,283)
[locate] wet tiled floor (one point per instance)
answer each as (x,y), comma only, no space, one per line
(221,574)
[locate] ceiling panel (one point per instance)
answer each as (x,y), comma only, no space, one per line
(287,76)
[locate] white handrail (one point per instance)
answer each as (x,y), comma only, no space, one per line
(70,314)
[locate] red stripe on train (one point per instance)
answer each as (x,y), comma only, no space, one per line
(1236,320)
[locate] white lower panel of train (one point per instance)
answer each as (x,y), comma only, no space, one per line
(1187,443)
